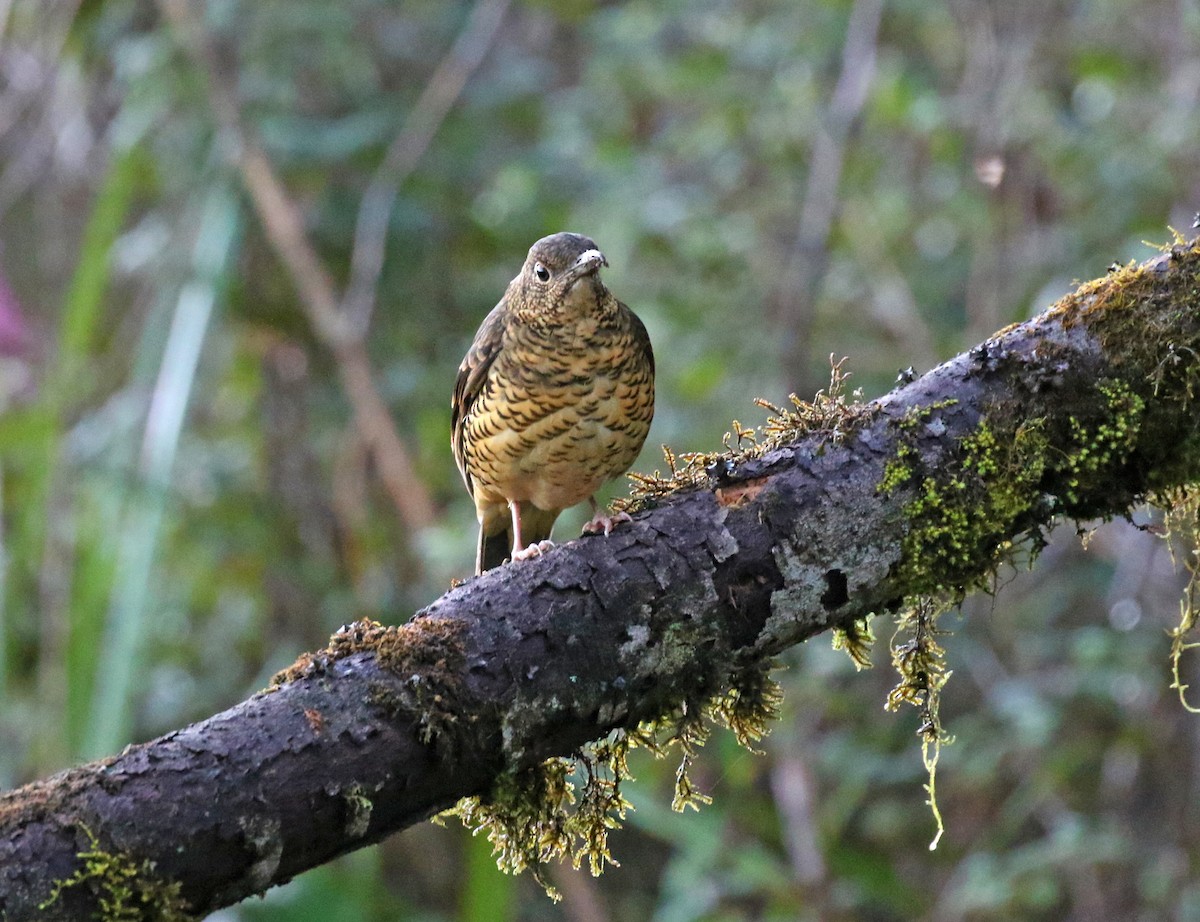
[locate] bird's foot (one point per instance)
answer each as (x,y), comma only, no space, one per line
(603,522)
(534,550)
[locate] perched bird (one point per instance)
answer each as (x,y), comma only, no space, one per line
(553,399)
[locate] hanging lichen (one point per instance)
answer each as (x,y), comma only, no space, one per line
(565,808)
(1181,529)
(920,661)
(857,639)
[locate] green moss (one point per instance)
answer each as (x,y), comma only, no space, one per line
(857,640)
(358,811)
(1098,447)
(1181,520)
(1144,322)
(832,415)
(960,519)
(567,807)
(961,515)
(426,652)
(920,662)
(528,815)
(423,645)
(898,471)
(748,706)
(126,890)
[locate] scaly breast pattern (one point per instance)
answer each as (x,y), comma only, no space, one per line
(562,411)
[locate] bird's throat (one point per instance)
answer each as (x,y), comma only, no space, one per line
(584,298)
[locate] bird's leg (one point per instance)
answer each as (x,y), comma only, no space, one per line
(602,521)
(520,551)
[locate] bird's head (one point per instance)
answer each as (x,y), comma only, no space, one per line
(561,276)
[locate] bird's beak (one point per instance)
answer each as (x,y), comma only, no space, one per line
(589,261)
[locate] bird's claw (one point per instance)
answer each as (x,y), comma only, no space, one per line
(534,550)
(603,522)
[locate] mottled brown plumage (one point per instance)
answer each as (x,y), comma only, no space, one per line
(553,399)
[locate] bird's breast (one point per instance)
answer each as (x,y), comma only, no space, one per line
(558,416)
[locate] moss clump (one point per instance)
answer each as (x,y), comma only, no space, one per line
(920,661)
(961,514)
(747,708)
(421,645)
(833,414)
(527,815)
(857,640)
(900,470)
(960,518)
(1101,302)
(566,807)
(426,652)
(959,521)
(1098,447)
(1146,322)
(126,889)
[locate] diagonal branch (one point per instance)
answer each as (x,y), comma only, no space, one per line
(1078,413)
(799,284)
(280,216)
(406,150)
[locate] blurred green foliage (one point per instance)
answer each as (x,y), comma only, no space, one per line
(184,508)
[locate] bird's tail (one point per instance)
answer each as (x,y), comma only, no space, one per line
(495,548)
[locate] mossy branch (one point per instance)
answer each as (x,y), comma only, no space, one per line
(832,512)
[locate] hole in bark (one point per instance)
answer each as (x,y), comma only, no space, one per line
(836,594)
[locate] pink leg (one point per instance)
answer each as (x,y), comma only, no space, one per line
(602,521)
(520,551)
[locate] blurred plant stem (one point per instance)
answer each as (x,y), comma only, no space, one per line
(795,297)
(46,520)
(122,644)
(341,324)
(488,895)
(405,152)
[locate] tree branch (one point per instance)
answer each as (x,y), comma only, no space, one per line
(1078,413)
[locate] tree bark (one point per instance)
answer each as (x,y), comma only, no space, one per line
(1079,413)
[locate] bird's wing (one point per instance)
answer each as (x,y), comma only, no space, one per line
(471,375)
(641,338)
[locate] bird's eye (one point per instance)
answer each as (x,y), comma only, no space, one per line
(541,272)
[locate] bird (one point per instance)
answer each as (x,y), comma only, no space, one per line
(554,399)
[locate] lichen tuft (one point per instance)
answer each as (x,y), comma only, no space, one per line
(565,808)
(856,639)
(832,414)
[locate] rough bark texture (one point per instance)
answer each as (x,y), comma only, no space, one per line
(1077,413)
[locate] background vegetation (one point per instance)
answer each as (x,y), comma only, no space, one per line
(187,503)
